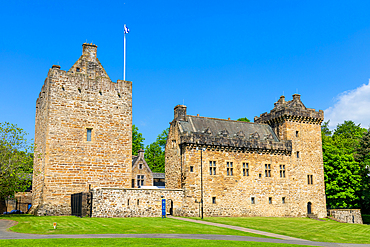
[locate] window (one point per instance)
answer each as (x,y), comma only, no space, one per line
(191,168)
(140,180)
(212,168)
(78,69)
(270,200)
(282,171)
(297,154)
(310,179)
(229,170)
(252,200)
(283,200)
(260,175)
(245,169)
(138,202)
(214,200)
(140,166)
(267,170)
(128,202)
(88,135)
(297,133)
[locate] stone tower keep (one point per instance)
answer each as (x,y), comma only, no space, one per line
(82,134)
(291,120)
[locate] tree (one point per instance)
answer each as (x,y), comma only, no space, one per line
(362,156)
(155,152)
(243,119)
(16,160)
(343,176)
(137,140)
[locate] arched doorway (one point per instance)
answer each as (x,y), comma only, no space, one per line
(171,208)
(309,208)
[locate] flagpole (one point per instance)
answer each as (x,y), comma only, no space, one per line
(124,52)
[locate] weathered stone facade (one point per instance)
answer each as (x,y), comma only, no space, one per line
(116,202)
(272,167)
(346,215)
(82,134)
(141,173)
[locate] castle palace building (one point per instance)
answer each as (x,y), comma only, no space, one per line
(83,149)
(272,167)
(83,134)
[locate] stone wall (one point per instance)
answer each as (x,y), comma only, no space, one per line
(70,104)
(117,202)
(347,215)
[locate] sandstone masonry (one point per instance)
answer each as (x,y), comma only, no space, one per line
(272,167)
(82,134)
(346,215)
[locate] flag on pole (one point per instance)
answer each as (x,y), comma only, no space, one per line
(125,29)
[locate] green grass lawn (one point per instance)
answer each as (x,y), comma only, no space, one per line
(304,228)
(75,225)
(133,242)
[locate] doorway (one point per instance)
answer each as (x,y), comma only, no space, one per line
(309,208)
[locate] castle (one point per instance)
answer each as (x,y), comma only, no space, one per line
(272,167)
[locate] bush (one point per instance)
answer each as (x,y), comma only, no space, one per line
(366,218)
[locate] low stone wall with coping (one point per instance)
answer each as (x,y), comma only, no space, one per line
(116,202)
(346,215)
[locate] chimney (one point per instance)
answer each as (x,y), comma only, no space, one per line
(140,153)
(89,51)
(180,113)
(296,97)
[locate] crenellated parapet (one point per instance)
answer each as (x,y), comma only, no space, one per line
(293,111)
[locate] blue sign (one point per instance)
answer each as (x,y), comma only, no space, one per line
(163,208)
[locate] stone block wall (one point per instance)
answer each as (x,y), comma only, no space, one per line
(117,202)
(347,215)
(71,103)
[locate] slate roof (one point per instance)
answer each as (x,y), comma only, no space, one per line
(134,159)
(227,128)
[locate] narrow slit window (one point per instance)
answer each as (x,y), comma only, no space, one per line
(212,168)
(213,200)
(282,171)
(297,133)
(191,168)
(253,200)
(270,200)
(88,135)
(297,154)
(283,200)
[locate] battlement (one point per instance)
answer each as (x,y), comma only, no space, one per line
(293,110)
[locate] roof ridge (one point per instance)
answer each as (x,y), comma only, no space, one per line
(222,119)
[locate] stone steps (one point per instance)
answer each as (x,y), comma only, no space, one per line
(314,217)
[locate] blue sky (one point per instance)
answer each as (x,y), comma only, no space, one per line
(221,58)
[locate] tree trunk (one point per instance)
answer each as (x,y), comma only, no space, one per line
(2,206)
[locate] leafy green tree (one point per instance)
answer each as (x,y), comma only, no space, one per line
(343,174)
(155,152)
(137,140)
(342,177)
(348,135)
(325,131)
(243,119)
(362,156)
(16,160)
